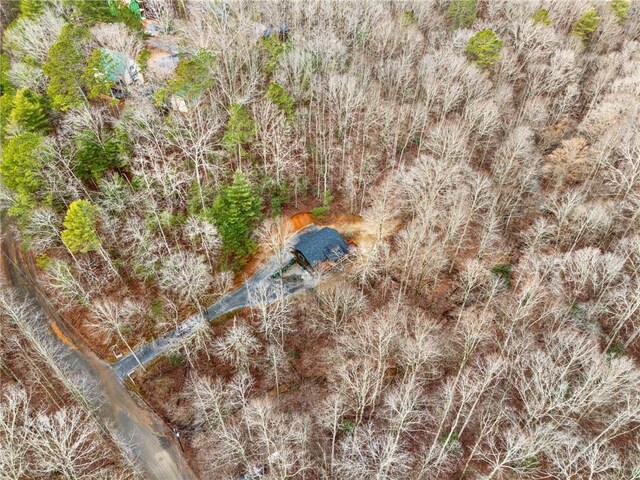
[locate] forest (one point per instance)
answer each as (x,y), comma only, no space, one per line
(481,158)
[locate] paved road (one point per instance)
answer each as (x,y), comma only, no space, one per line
(114,406)
(242,297)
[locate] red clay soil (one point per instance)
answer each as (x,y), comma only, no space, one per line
(298,220)
(350,226)
(301,220)
(249,269)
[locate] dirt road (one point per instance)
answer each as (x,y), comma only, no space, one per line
(150,440)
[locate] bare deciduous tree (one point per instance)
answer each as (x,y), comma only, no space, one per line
(280,439)
(273,310)
(278,365)
(114,319)
(61,278)
(273,234)
(187,275)
(32,38)
(370,454)
(15,424)
(67,442)
(116,36)
(237,347)
(335,304)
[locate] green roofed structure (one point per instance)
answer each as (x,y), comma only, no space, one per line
(121,70)
(134,6)
(115,65)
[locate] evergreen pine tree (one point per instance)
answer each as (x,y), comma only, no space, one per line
(587,24)
(6,105)
(29,111)
(80,233)
(274,47)
(541,16)
(235,211)
(281,99)
(92,11)
(7,92)
(20,171)
(65,66)
(462,13)
(5,85)
(240,129)
(484,48)
(191,79)
(31,8)
(96,154)
(621,9)
(20,164)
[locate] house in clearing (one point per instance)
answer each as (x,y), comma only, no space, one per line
(318,250)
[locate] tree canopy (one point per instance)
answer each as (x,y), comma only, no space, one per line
(5,84)
(621,9)
(542,16)
(106,11)
(20,163)
(484,48)
(6,93)
(29,111)
(481,160)
(235,211)
(31,8)
(587,24)
(191,79)
(96,74)
(20,171)
(281,99)
(240,129)
(96,153)
(462,13)
(275,47)
(65,67)
(79,234)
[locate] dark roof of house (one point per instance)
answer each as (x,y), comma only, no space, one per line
(321,245)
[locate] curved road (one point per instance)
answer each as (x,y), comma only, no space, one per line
(148,437)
